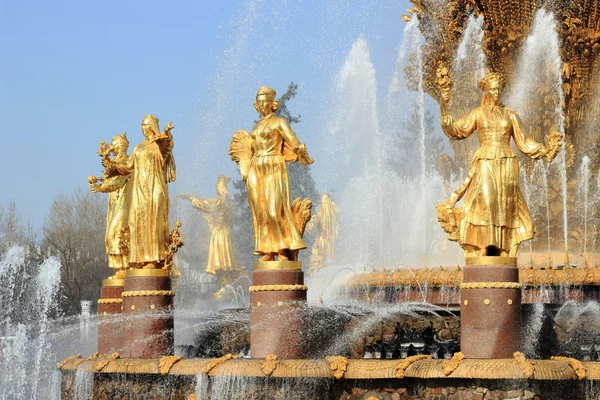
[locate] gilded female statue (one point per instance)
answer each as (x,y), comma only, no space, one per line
(494,218)
(117,214)
(262,156)
(220,216)
(326,225)
(152,167)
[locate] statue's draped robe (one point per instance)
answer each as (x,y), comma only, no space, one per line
(148,215)
(495,212)
(117,217)
(268,187)
(220,217)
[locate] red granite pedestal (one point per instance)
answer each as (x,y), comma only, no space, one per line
(148,314)
(490,308)
(110,322)
(277,297)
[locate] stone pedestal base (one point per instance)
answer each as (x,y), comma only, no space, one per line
(277,297)
(110,323)
(147,314)
(490,308)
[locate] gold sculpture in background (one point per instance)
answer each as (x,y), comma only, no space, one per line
(262,156)
(152,167)
(326,225)
(220,216)
(494,213)
(119,197)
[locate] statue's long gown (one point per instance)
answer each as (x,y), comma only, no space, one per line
(268,186)
(495,212)
(117,217)
(220,217)
(148,215)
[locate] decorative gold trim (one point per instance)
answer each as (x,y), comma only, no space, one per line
(269,364)
(208,367)
(104,362)
(68,359)
(338,365)
(277,288)
(491,260)
(575,364)
(141,272)
(166,362)
(453,363)
(110,301)
(113,282)
(137,293)
(526,366)
(490,285)
(284,265)
(404,364)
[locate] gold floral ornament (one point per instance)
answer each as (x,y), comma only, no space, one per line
(404,364)
(453,363)
(68,359)
(175,243)
(338,365)
(269,364)
(104,362)
(166,363)
(212,364)
(576,365)
(526,366)
(443,81)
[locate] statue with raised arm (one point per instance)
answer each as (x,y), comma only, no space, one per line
(117,214)
(494,218)
(151,167)
(262,156)
(326,226)
(220,216)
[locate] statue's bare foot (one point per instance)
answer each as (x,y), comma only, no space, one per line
(282,256)
(268,257)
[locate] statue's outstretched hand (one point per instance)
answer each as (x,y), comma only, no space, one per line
(184,196)
(169,127)
(302,154)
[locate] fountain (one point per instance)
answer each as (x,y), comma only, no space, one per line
(397,331)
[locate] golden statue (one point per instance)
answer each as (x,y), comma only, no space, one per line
(220,216)
(326,225)
(117,214)
(262,156)
(152,167)
(494,218)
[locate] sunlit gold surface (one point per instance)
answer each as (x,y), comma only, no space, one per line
(518,367)
(491,260)
(119,196)
(133,273)
(326,225)
(262,156)
(113,282)
(494,212)
(280,265)
(152,167)
(220,216)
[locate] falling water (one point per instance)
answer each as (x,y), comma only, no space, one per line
(585,178)
(470,49)
(541,52)
(48,282)
(531,330)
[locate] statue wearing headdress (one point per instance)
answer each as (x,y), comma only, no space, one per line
(262,156)
(152,167)
(494,218)
(117,214)
(326,225)
(220,216)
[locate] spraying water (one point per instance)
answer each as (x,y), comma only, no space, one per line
(585,178)
(539,68)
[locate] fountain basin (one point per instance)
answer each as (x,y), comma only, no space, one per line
(334,377)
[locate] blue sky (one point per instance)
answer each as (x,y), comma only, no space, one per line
(77,72)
